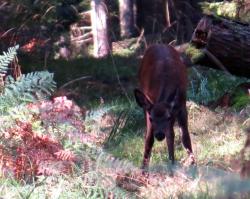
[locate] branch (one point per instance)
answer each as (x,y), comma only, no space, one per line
(85,28)
(215,60)
(89,34)
(139,38)
(74,80)
(84,41)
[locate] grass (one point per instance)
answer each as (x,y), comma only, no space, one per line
(224,125)
(208,85)
(117,123)
(110,78)
(101,69)
(56,187)
(127,140)
(214,145)
(216,137)
(240,99)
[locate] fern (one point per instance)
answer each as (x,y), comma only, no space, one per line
(28,88)
(6,58)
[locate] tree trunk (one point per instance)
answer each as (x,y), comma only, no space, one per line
(126,18)
(150,15)
(167,13)
(186,14)
(139,14)
(227,43)
(99,21)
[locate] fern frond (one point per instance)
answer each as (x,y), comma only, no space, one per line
(6,58)
(28,88)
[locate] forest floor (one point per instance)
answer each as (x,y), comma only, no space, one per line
(107,152)
(117,125)
(217,137)
(111,146)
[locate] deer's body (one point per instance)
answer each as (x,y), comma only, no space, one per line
(162,95)
(162,71)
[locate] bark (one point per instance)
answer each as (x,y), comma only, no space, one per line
(150,15)
(99,21)
(227,41)
(186,15)
(126,18)
(140,14)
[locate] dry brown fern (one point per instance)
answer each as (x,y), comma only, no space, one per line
(36,154)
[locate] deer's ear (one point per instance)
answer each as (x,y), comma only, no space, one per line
(142,100)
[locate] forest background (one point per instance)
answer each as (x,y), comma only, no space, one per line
(70,124)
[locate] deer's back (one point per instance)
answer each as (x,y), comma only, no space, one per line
(162,70)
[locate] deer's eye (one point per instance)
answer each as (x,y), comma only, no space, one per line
(150,119)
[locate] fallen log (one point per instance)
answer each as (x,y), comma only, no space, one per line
(226,44)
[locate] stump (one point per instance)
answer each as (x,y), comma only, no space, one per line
(228,41)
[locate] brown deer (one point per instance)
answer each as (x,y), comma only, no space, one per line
(162,95)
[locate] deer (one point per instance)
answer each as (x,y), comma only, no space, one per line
(162,95)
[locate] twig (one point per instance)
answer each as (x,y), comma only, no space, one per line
(84,36)
(6,32)
(139,38)
(85,28)
(74,80)
(215,60)
(84,41)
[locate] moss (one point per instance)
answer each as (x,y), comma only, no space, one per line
(227,9)
(240,100)
(194,53)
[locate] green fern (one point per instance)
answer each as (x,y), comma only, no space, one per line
(7,58)
(27,88)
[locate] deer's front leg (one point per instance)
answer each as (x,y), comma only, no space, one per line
(149,141)
(170,140)
(183,123)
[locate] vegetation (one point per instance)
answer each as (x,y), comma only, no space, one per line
(118,124)
(71,127)
(237,10)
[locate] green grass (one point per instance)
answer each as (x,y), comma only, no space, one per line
(110,78)
(216,135)
(101,69)
(240,99)
(130,146)
(206,85)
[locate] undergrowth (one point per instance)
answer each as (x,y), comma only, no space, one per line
(54,149)
(208,85)
(41,146)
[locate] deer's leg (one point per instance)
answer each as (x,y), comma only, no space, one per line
(149,141)
(183,123)
(170,140)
